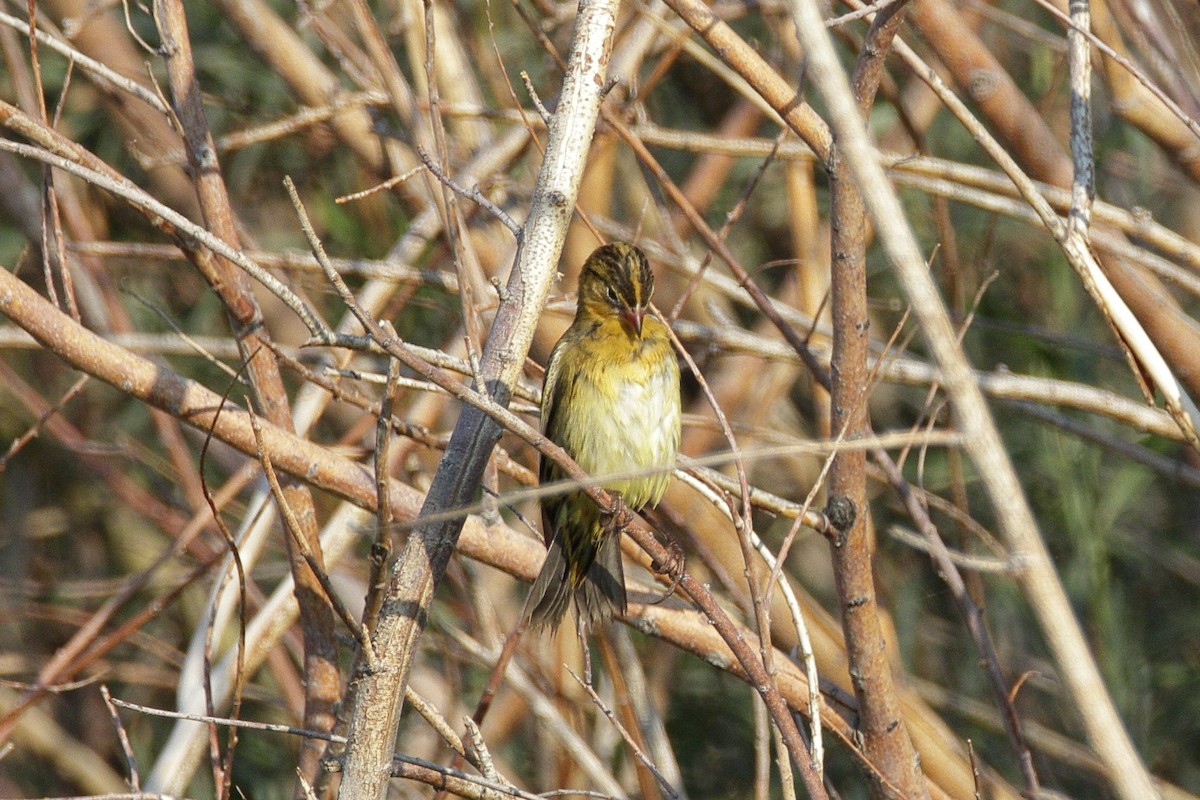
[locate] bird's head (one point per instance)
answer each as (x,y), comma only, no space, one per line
(616,281)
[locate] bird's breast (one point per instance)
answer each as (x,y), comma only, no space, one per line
(625,419)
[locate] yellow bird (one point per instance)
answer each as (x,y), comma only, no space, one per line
(611,400)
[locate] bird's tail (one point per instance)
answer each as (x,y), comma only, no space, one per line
(599,592)
(603,591)
(551,591)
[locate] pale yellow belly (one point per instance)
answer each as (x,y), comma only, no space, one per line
(632,427)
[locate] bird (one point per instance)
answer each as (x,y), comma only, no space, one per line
(611,400)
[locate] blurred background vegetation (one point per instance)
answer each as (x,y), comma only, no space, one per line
(92,494)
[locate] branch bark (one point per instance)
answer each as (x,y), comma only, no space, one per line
(1046,594)
(885,736)
(233,286)
(377,705)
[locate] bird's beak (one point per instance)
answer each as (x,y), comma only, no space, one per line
(634,317)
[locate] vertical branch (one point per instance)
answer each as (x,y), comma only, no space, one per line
(1083,185)
(811,275)
(885,737)
(381,548)
(982,440)
(451,224)
(234,289)
(376,712)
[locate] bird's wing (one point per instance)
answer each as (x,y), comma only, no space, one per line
(546,470)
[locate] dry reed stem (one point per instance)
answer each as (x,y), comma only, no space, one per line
(1040,580)
(723,334)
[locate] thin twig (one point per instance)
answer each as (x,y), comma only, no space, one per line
(293,528)
(381,548)
(291,730)
(638,753)
(32,432)
(471,194)
(135,781)
(96,68)
(187,229)
(533,96)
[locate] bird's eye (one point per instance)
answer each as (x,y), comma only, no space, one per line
(612,295)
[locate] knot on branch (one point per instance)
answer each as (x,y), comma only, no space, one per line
(841,512)
(982,84)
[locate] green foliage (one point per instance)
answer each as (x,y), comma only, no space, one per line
(705,700)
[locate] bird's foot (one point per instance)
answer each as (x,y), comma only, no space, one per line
(672,563)
(618,516)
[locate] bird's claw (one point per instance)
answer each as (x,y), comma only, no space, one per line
(673,563)
(671,566)
(618,516)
